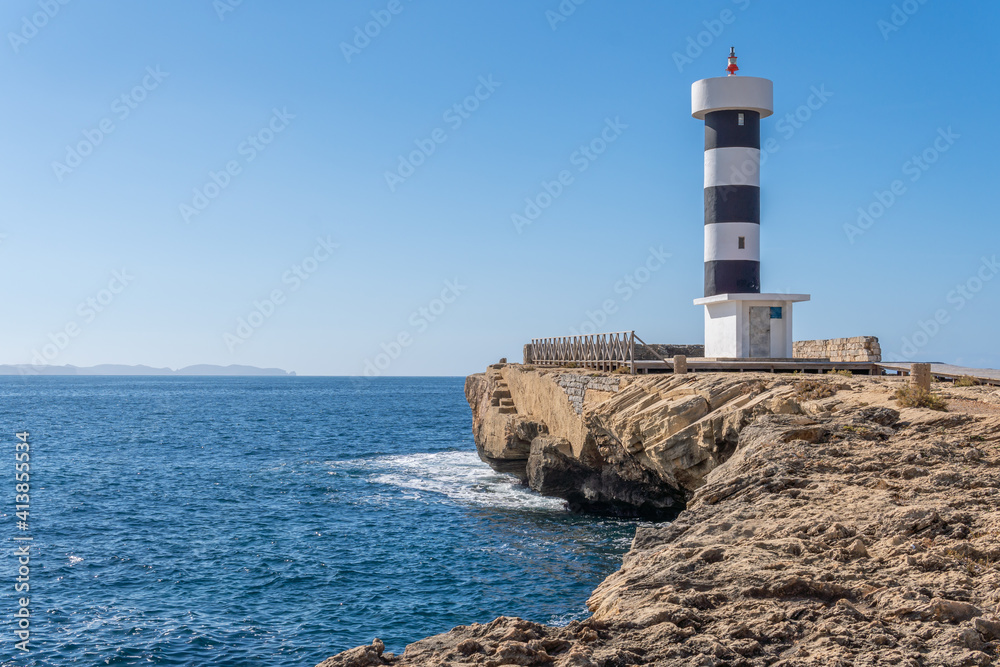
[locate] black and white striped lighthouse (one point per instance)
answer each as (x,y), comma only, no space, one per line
(732,107)
(739,320)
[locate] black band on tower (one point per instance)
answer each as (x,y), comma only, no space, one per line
(732,277)
(722,129)
(732,203)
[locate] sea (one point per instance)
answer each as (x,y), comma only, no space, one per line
(267,521)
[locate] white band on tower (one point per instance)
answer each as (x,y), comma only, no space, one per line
(727,241)
(732,166)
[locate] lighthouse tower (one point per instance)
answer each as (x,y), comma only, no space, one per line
(740,321)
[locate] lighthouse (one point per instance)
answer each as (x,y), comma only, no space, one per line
(740,321)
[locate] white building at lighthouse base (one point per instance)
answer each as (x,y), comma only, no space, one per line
(741,326)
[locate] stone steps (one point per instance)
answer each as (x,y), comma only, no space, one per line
(501,398)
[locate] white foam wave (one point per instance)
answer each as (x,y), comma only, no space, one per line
(562,620)
(459,476)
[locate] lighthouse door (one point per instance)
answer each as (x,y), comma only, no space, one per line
(760,331)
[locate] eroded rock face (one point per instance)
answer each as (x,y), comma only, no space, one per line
(598,487)
(610,444)
(846,531)
(503,438)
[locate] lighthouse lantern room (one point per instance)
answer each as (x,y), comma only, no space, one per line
(740,321)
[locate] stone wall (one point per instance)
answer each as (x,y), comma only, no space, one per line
(642,353)
(576,386)
(859,348)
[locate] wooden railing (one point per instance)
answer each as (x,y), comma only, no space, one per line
(603,351)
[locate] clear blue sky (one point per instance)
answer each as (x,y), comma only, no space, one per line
(338,118)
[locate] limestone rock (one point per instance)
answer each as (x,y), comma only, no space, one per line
(599,488)
(988,628)
(629,445)
(363,656)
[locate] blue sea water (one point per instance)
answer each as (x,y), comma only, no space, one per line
(271,521)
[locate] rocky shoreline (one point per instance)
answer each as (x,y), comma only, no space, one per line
(815,521)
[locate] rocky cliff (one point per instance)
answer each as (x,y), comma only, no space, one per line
(615,444)
(824,523)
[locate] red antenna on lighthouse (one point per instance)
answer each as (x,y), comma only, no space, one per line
(732,61)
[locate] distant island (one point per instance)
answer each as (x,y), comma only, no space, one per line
(121,369)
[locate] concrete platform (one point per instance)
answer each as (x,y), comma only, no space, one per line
(947,371)
(716,365)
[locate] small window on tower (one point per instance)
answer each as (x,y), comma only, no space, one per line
(743,243)
(739,118)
